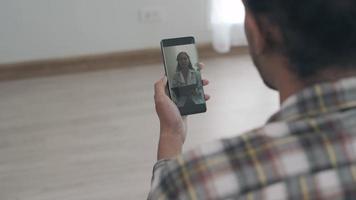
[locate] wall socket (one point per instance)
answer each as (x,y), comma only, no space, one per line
(151,15)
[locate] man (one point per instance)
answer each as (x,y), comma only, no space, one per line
(306,50)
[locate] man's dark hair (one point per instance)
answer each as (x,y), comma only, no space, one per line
(316,34)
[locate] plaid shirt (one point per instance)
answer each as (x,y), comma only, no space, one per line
(306,151)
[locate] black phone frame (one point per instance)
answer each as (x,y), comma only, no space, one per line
(177,42)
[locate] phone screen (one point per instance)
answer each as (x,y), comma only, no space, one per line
(184,78)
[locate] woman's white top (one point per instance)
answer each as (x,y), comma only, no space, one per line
(192,78)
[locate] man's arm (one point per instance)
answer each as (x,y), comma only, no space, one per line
(173,131)
(173,127)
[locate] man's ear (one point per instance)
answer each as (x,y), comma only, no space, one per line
(254,34)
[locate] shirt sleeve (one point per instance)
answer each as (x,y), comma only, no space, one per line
(169,181)
(177,178)
(201,173)
(175,80)
(157,175)
(157,172)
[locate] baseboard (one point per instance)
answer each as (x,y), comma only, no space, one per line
(79,64)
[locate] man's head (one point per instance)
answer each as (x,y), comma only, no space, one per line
(308,36)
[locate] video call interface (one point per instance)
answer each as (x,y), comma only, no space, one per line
(185,83)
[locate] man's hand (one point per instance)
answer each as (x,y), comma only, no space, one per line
(173,126)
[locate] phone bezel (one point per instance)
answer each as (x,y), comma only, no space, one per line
(177,42)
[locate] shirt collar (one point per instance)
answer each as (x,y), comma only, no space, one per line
(318,99)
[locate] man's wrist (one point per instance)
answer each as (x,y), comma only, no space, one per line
(170,145)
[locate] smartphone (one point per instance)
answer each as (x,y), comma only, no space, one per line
(185,86)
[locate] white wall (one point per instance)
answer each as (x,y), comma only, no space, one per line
(39,29)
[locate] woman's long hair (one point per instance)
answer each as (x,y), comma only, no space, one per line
(190,66)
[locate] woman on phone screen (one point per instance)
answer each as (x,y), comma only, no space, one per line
(186,75)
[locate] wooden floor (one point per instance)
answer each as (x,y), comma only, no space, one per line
(93,136)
